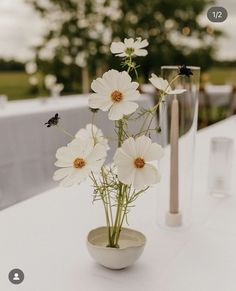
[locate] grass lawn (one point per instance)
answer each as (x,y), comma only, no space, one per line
(16,86)
(221,76)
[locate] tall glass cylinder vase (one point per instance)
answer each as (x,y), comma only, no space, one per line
(178,115)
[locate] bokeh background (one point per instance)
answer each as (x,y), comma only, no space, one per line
(71,39)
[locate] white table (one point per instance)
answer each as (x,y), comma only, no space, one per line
(45,237)
(27,147)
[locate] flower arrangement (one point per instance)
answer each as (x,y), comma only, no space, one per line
(134,167)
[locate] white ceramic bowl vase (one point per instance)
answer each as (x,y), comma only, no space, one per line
(131,245)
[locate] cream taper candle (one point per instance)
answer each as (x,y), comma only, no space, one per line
(174,157)
(173,216)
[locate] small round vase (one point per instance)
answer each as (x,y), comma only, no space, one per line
(131,245)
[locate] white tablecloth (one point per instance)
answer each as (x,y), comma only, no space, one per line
(27,147)
(45,237)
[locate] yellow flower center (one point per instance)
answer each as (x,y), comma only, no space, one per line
(116,96)
(79,163)
(129,51)
(139,163)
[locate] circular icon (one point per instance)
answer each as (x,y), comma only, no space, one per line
(16,276)
(217,14)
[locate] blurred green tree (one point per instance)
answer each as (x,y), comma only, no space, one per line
(80,32)
(11,65)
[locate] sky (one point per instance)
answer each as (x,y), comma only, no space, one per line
(21,27)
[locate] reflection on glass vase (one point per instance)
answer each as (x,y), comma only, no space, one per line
(178,116)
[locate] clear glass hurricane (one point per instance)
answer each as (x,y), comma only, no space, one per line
(186,126)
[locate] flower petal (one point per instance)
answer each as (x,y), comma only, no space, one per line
(63,164)
(81,148)
(141,44)
(155,152)
(98,153)
(159,82)
(99,86)
(143,144)
(131,95)
(129,147)
(110,78)
(140,52)
(145,177)
(177,91)
(126,173)
(82,133)
(62,173)
(123,81)
(115,112)
(76,177)
(129,42)
(118,110)
(150,175)
(101,102)
(128,107)
(121,158)
(65,155)
(125,167)
(117,47)
(138,182)
(121,55)
(91,131)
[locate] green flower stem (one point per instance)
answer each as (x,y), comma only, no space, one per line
(125,208)
(129,64)
(145,132)
(121,208)
(116,192)
(122,188)
(149,125)
(93,123)
(117,218)
(64,131)
(116,196)
(116,227)
(154,109)
(120,132)
(121,214)
(105,207)
(173,80)
(163,94)
(108,198)
(144,122)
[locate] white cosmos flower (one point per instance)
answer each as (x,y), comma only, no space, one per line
(114,92)
(164,86)
(92,133)
(133,162)
(77,161)
(130,47)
